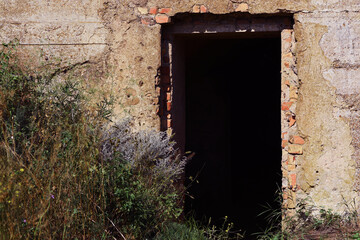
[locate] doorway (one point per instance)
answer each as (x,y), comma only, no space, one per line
(232,89)
(226,108)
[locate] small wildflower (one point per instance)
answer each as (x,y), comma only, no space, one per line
(21,170)
(24,221)
(52,196)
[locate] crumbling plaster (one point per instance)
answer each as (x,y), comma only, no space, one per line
(124,55)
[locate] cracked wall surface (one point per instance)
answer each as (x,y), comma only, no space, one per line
(120,43)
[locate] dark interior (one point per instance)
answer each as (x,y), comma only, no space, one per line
(230,88)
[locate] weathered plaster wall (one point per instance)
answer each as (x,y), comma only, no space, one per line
(121,42)
(327,49)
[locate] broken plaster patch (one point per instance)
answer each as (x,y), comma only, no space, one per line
(346,81)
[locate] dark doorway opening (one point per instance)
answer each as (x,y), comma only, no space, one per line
(227,95)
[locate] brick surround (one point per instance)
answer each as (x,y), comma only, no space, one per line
(292,142)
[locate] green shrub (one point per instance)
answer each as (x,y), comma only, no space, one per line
(48,149)
(143,167)
(65,175)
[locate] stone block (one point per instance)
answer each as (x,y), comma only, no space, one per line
(196,9)
(165,10)
(142,10)
(242,7)
(286,106)
(162,18)
(153,10)
(295,149)
(297,140)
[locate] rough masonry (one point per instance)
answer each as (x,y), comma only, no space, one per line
(119,41)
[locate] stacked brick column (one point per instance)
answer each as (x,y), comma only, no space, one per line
(292,143)
(166,84)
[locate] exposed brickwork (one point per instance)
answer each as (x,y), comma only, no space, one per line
(199,9)
(162,18)
(154,15)
(165,10)
(297,140)
(203,9)
(294,143)
(165,96)
(153,10)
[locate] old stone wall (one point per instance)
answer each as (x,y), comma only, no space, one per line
(120,42)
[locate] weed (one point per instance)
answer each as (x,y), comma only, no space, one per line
(48,145)
(310,222)
(145,167)
(191,229)
(65,175)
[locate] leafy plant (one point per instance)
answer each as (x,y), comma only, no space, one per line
(48,146)
(65,175)
(144,168)
(191,229)
(181,231)
(311,222)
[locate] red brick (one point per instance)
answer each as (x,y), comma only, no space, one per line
(203,9)
(169,123)
(284,143)
(168,106)
(165,10)
(146,21)
(283,135)
(162,18)
(292,179)
(196,9)
(289,39)
(297,140)
(292,121)
(153,10)
(286,106)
